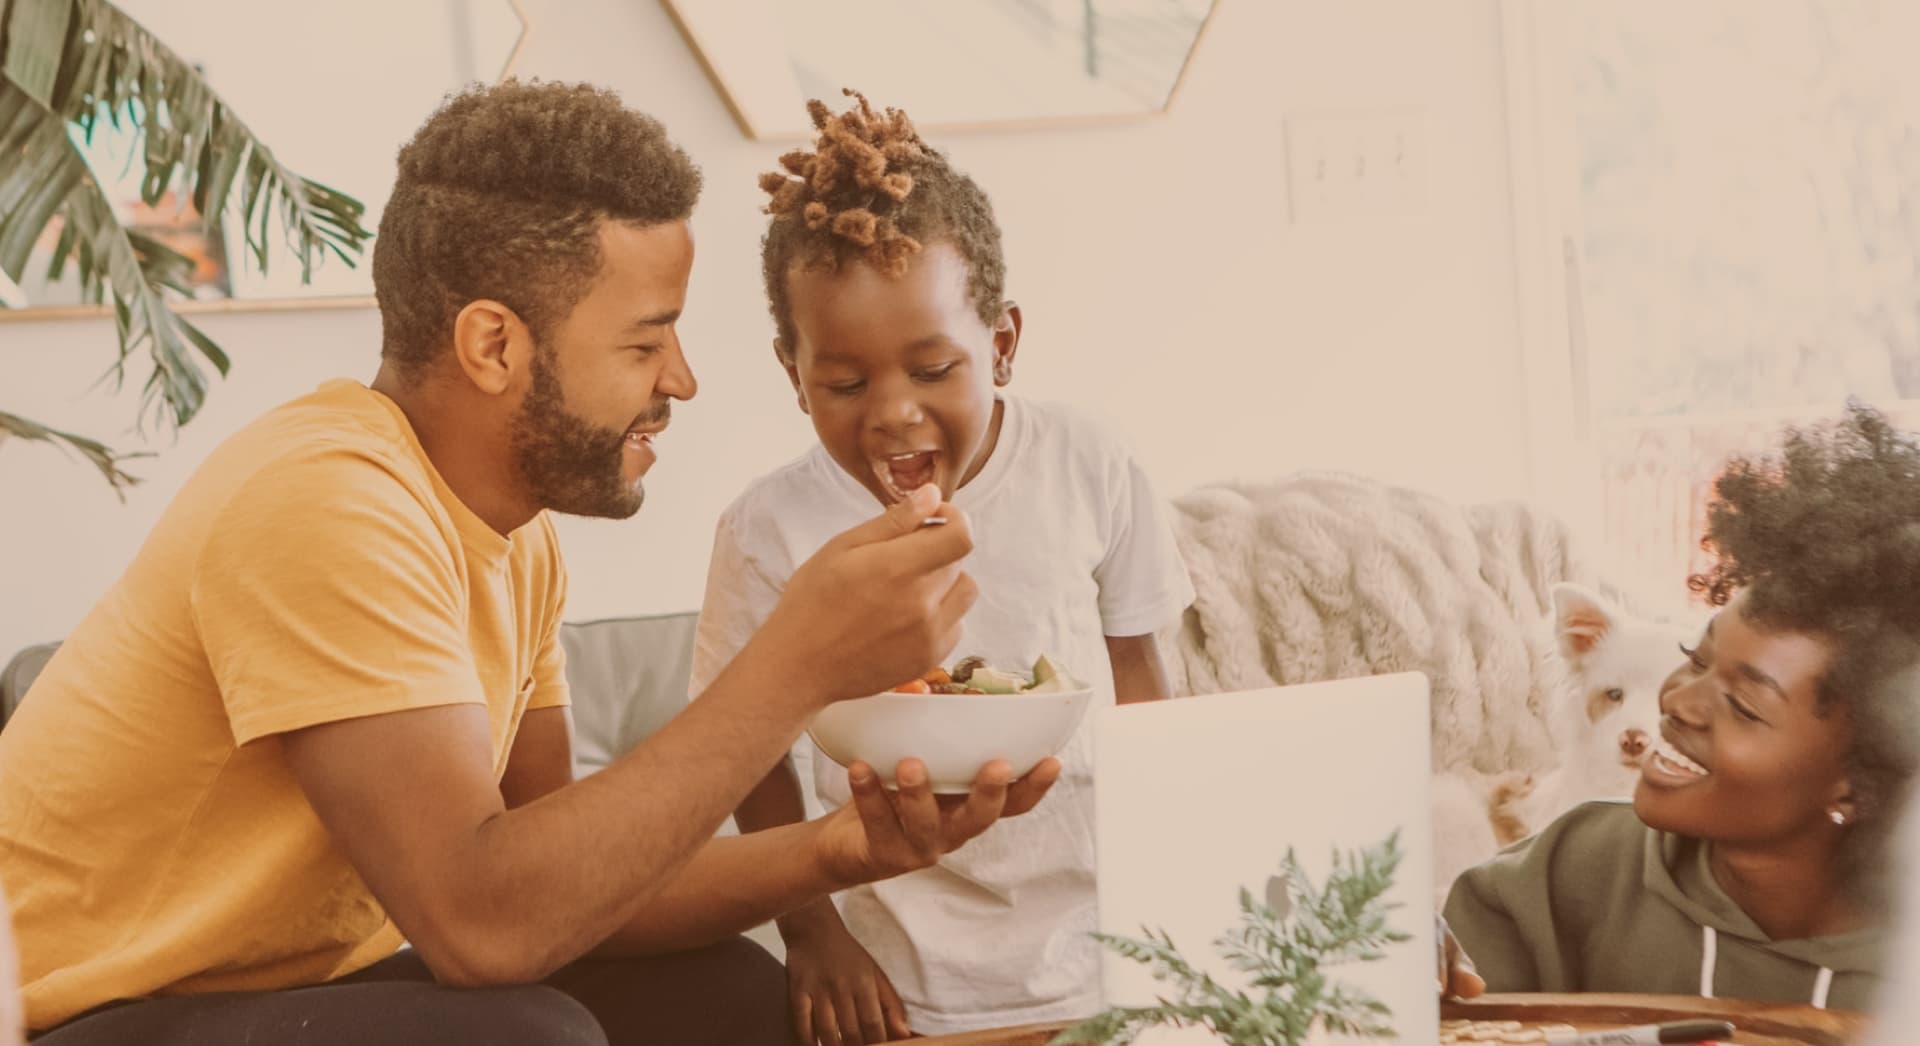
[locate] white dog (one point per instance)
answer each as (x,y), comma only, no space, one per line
(1605,712)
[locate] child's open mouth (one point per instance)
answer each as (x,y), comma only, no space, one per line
(902,474)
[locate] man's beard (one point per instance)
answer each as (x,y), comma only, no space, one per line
(570,464)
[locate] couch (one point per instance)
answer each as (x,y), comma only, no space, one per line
(1312,576)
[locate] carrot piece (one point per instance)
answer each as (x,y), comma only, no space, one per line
(936,676)
(913,686)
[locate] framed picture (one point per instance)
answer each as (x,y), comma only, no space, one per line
(980,63)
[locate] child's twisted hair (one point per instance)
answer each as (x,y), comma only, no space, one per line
(873,191)
(1825,539)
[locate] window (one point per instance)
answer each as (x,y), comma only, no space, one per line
(1734,189)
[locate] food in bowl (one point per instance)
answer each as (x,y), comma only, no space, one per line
(957,724)
(971,675)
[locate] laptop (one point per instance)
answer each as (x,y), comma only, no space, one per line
(1200,797)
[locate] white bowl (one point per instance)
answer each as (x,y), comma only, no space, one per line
(953,734)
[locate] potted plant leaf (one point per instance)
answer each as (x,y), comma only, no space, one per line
(1286,943)
(65,67)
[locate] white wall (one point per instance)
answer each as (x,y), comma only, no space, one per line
(1162,281)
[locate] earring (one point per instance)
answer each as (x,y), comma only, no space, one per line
(1837,817)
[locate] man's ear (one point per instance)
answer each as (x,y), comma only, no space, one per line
(1006,342)
(492,346)
(793,374)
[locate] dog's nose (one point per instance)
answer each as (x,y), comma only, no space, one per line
(1633,742)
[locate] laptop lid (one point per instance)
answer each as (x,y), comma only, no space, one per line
(1201,797)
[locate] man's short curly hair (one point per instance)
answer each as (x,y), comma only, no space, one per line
(872,190)
(1825,540)
(500,195)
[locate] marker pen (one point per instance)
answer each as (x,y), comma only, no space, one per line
(1650,1034)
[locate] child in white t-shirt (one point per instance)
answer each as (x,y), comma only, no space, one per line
(884,272)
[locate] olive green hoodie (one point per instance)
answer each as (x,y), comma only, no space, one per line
(1599,902)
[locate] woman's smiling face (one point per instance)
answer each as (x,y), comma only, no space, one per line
(1746,754)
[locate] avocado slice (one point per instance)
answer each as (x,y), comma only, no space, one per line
(1049,678)
(994,681)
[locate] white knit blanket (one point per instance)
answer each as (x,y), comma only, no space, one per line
(1328,576)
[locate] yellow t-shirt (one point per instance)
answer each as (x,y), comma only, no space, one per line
(315,568)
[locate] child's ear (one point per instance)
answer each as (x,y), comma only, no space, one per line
(1581,619)
(793,374)
(1006,341)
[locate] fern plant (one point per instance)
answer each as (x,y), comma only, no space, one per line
(68,65)
(1286,943)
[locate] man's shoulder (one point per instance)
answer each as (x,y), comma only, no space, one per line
(331,456)
(344,407)
(341,428)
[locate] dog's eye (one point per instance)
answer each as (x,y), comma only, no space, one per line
(1616,695)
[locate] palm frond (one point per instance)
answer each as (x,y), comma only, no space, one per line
(94,451)
(113,263)
(189,133)
(64,66)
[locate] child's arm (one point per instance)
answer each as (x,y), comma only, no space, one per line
(1138,673)
(835,991)
(826,967)
(1143,583)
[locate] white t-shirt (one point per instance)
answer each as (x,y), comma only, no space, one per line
(1070,546)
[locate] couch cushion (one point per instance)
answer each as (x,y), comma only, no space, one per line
(628,676)
(20,674)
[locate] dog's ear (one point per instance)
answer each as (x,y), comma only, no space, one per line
(1581,619)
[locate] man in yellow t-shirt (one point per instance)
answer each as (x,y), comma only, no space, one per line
(324,712)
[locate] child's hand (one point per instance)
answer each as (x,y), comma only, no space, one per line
(1458,979)
(878,603)
(839,995)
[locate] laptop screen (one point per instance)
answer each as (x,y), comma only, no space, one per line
(1200,798)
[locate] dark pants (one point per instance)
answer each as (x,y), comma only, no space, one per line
(731,993)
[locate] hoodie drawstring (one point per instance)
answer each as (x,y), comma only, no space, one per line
(1710,958)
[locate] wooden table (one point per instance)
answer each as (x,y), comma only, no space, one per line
(1758,1024)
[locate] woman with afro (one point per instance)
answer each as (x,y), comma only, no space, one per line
(1750,862)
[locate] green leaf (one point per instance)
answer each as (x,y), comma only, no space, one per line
(164,266)
(1287,956)
(100,455)
(43,169)
(57,267)
(142,316)
(65,65)
(225,149)
(207,347)
(188,137)
(36,36)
